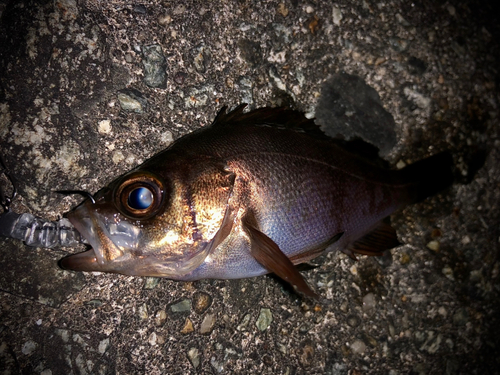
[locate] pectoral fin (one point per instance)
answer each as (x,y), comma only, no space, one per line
(268,253)
(375,242)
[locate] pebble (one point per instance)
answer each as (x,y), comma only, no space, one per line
(448,272)
(244,323)
(246,90)
(182,306)
(282,9)
(306,327)
(250,51)
(208,323)
(132,100)
(217,366)
(154,66)
(103,346)
(164,19)
(398,44)
(283,348)
(29,347)
(151,282)
(416,65)
(358,347)
(104,126)
(278,82)
(306,357)
(336,15)
(117,157)
(432,343)
(201,302)
(264,320)
(188,327)
(405,258)
(166,137)
(143,312)
(420,100)
(152,339)
(179,9)
(369,302)
(140,9)
(442,311)
(63,333)
(433,245)
(198,96)
(202,57)
(349,106)
(371,340)
(194,357)
(160,317)
(313,24)
(475,276)
(402,21)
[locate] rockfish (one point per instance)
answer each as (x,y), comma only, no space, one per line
(253,193)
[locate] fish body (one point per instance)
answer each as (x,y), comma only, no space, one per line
(253,193)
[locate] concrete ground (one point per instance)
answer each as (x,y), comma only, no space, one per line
(91,88)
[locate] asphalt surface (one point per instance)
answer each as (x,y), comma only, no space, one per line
(89,89)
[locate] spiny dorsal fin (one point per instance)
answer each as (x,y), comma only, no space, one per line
(280,117)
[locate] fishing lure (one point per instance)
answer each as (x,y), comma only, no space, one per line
(32,230)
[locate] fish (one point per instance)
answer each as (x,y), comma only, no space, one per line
(254,193)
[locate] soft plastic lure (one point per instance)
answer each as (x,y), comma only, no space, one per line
(32,230)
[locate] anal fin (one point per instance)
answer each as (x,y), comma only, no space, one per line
(315,252)
(269,255)
(375,242)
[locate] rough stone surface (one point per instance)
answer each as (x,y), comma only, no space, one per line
(434,66)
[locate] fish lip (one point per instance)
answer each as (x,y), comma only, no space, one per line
(82,221)
(85,261)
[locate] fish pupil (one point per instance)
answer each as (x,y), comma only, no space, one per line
(140,198)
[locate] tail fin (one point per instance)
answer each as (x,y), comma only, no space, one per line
(429,176)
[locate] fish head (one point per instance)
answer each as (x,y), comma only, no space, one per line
(152,223)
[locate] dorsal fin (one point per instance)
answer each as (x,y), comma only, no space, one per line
(280,117)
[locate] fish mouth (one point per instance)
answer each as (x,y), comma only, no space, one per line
(109,241)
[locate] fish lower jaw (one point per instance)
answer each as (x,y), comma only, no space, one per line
(86,261)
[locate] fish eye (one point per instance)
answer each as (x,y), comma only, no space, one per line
(140,198)
(140,195)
